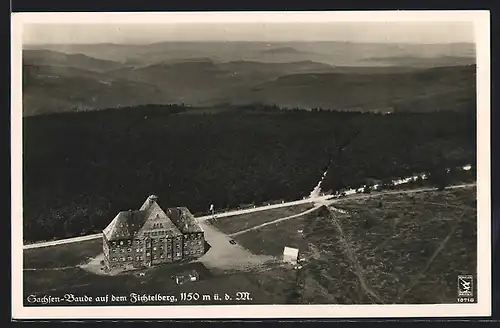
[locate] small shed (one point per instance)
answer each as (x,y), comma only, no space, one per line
(290,255)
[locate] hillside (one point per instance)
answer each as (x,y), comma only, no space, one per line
(53,58)
(450,87)
(205,82)
(425,62)
(56,82)
(50,89)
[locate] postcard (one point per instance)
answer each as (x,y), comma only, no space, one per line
(251,165)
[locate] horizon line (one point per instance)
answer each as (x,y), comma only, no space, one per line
(247,41)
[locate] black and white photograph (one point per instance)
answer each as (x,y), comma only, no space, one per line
(315,164)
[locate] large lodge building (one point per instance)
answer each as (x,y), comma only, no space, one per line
(150,236)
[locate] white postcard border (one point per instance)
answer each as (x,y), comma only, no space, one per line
(481,22)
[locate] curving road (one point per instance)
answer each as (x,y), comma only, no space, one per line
(320,200)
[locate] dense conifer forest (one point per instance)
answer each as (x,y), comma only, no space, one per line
(80,169)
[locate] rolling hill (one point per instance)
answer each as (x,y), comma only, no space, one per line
(193,74)
(204,82)
(53,58)
(441,88)
(51,89)
(425,62)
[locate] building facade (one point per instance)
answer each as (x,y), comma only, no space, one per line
(149,237)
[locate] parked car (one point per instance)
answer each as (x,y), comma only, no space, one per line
(184,277)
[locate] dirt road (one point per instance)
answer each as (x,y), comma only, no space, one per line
(225,256)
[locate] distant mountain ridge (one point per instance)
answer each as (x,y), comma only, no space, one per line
(53,58)
(332,53)
(51,89)
(161,74)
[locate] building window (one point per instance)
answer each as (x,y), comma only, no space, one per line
(114,243)
(148,254)
(138,250)
(122,250)
(161,256)
(168,256)
(129,250)
(178,254)
(121,242)
(154,248)
(122,259)
(129,241)
(114,259)
(140,258)
(154,257)
(129,258)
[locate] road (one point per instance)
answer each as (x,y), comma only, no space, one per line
(319,200)
(276,221)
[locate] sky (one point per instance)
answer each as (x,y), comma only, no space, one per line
(134,33)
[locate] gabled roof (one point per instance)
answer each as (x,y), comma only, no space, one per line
(184,220)
(129,224)
(119,227)
(125,225)
(156,219)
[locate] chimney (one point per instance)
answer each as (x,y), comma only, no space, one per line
(152,198)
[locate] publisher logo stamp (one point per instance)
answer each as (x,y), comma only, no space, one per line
(465,285)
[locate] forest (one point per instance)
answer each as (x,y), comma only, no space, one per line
(81,169)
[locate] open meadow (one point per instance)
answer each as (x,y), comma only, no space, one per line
(406,248)
(57,271)
(232,224)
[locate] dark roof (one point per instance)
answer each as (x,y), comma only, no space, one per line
(119,228)
(156,219)
(184,220)
(130,224)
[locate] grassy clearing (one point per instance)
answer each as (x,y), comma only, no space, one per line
(64,255)
(264,287)
(54,271)
(237,223)
(387,249)
(412,245)
(271,239)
